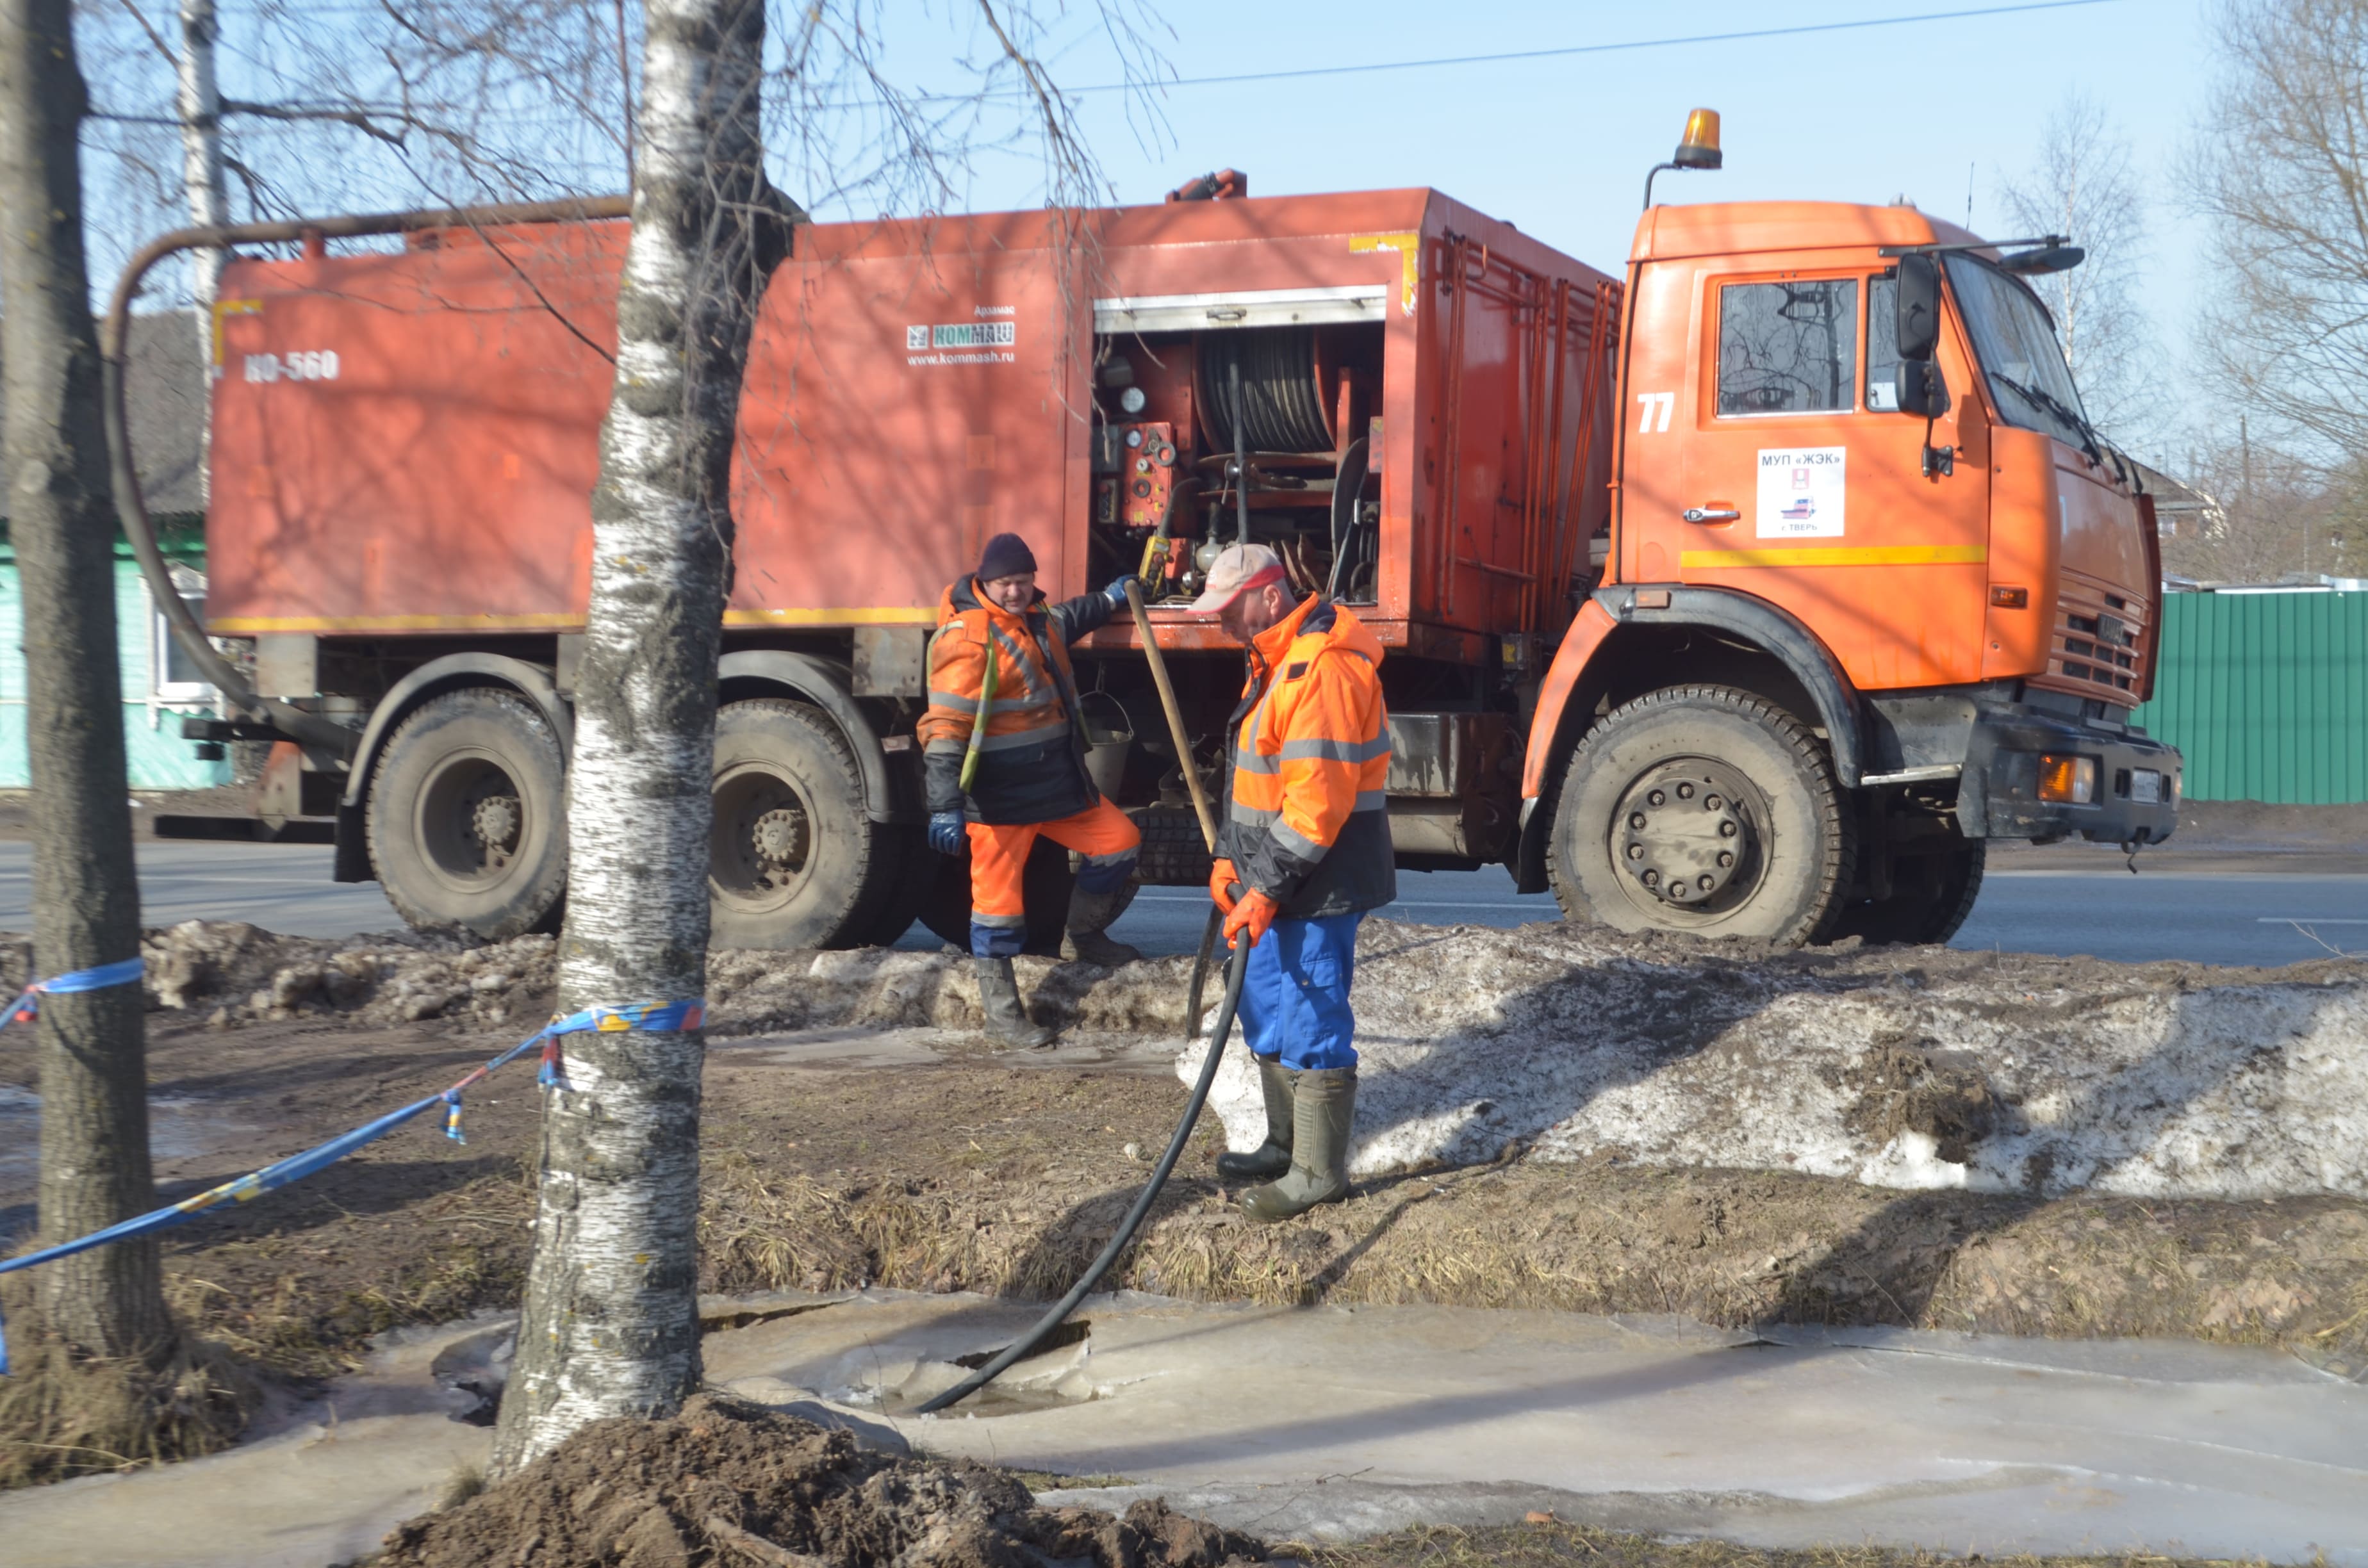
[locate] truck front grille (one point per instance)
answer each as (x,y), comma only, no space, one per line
(2098,648)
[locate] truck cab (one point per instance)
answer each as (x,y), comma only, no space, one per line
(1883,610)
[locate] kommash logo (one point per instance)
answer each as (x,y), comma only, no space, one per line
(981,341)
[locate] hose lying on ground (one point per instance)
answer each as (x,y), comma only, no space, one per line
(1018,1348)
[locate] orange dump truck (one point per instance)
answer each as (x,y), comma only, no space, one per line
(1704,604)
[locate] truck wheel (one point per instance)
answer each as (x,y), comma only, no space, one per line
(907,855)
(1706,810)
(1045,886)
(466,815)
(1930,898)
(795,861)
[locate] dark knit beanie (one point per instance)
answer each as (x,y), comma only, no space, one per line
(1006,556)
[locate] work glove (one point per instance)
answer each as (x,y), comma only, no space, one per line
(1254,913)
(1116,592)
(948,833)
(1221,878)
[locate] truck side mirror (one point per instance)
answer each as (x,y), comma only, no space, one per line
(1919,306)
(1921,388)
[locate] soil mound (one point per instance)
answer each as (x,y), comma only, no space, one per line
(732,1483)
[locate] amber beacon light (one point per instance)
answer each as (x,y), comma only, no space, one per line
(1699,150)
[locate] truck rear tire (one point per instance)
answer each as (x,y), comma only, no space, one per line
(466,815)
(1706,810)
(906,873)
(1931,896)
(1045,887)
(795,860)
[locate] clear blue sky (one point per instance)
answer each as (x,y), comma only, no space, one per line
(1561,145)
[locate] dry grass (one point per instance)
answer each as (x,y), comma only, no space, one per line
(63,1415)
(1727,1249)
(1551,1543)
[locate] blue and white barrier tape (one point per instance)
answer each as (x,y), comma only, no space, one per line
(657,1015)
(27,1003)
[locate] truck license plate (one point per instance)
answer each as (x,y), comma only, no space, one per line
(2145,786)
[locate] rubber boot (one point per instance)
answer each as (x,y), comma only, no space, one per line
(1007,1021)
(1323,1108)
(1085,939)
(1094,947)
(1271,1158)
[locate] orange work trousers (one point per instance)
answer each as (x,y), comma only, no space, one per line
(998,858)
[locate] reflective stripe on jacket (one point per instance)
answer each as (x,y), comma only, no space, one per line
(1020,742)
(1306,814)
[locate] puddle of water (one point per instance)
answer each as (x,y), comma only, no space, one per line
(177,1128)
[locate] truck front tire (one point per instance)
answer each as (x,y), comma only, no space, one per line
(466,815)
(1705,809)
(1932,895)
(795,860)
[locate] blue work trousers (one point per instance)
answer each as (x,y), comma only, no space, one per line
(1295,995)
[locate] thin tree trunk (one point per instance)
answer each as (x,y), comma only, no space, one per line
(198,103)
(93,1044)
(611,1318)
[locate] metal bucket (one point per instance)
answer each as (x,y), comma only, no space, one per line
(1108,740)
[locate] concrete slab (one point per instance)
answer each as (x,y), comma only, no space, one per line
(1333,1423)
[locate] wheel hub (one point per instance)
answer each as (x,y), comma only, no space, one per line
(779,837)
(1680,835)
(496,821)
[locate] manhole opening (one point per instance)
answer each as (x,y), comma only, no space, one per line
(1075,1331)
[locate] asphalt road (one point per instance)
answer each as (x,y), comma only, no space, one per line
(2248,917)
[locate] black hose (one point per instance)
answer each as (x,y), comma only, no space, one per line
(1018,1348)
(1192,996)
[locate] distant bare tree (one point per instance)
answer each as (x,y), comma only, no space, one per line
(2279,171)
(2279,516)
(2084,184)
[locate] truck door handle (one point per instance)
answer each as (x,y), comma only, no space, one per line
(1713,515)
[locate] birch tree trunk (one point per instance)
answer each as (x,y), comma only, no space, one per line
(198,105)
(93,1044)
(612,1319)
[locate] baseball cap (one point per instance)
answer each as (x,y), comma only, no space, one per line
(1237,569)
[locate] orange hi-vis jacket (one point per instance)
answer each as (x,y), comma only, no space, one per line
(1307,816)
(1002,726)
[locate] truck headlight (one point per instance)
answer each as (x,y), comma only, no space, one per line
(2068,780)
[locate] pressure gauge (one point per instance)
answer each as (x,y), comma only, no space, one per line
(1131,399)
(1135,437)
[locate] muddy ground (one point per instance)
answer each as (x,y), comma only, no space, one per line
(945,1167)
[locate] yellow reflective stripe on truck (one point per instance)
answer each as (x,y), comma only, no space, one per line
(1863,555)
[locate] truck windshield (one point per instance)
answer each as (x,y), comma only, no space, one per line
(2016,343)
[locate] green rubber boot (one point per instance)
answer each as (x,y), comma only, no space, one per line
(1325,1107)
(1007,1021)
(1271,1158)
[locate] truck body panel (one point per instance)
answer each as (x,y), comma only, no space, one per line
(913,387)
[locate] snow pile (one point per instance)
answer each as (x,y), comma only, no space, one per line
(235,974)
(1900,1068)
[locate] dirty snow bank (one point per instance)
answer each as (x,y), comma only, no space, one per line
(235,975)
(1914,1068)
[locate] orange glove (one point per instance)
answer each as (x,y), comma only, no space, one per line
(1254,913)
(1221,878)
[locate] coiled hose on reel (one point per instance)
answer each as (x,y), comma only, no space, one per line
(1282,395)
(1019,1349)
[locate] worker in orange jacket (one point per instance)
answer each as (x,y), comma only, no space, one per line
(1005,755)
(1303,854)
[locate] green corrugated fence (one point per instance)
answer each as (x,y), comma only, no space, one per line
(2266,694)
